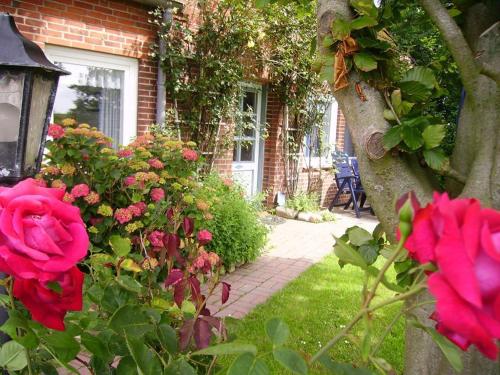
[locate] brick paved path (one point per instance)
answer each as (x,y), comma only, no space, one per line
(293,247)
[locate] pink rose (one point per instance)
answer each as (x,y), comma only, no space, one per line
(38,231)
(80,190)
(463,241)
(190,155)
(204,237)
(157,194)
(55,131)
(48,306)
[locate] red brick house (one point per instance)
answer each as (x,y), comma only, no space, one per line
(105,45)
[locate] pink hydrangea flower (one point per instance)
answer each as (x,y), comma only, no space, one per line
(80,190)
(228,182)
(40,182)
(55,131)
(125,153)
(213,258)
(155,163)
(130,180)
(156,238)
(138,208)
(189,154)
(157,194)
(204,236)
(92,198)
(68,198)
(123,215)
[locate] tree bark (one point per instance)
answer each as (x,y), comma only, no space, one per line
(476,156)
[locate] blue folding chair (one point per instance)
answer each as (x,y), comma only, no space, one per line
(346,184)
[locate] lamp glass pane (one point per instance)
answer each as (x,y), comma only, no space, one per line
(42,87)
(11,101)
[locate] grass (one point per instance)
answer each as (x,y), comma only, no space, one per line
(316,306)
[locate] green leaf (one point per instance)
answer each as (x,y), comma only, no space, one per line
(450,350)
(389,115)
(63,345)
(366,7)
(179,367)
(114,297)
(248,364)
(230,348)
(342,368)
(277,331)
(365,61)
(369,252)
(327,72)
(358,236)
(120,246)
(341,29)
(18,329)
(129,283)
(433,135)
(168,337)
(328,41)
(261,3)
(422,75)
(435,158)
(348,255)
(454,12)
(130,319)
(95,345)
(362,22)
(396,100)
(415,90)
(13,356)
(412,137)
(126,366)
(290,360)
(147,363)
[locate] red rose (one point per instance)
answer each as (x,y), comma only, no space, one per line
(463,241)
(49,305)
(39,232)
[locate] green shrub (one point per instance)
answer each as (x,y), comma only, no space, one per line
(304,202)
(238,234)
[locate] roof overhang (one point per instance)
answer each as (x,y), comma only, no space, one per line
(163,3)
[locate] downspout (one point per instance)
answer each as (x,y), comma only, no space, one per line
(161,96)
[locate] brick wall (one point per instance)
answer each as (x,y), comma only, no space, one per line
(114,27)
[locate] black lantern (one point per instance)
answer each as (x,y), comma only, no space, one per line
(28,84)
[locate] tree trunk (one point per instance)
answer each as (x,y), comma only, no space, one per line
(476,156)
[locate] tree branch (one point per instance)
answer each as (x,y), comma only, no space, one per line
(458,46)
(491,72)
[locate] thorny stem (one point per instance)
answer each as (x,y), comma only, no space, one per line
(366,309)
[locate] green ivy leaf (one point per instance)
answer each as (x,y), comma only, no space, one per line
(358,236)
(341,29)
(435,158)
(120,246)
(348,255)
(248,364)
(277,331)
(392,138)
(290,360)
(365,61)
(230,348)
(362,22)
(13,356)
(433,135)
(412,137)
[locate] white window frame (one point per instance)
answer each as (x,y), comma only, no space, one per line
(326,160)
(128,65)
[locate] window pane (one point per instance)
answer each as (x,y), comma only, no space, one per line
(11,96)
(247,151)
(235,151)
(249,101)
(92,95)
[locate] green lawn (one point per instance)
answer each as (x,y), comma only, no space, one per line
(315,306)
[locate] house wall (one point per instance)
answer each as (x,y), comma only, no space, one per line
(114,27)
